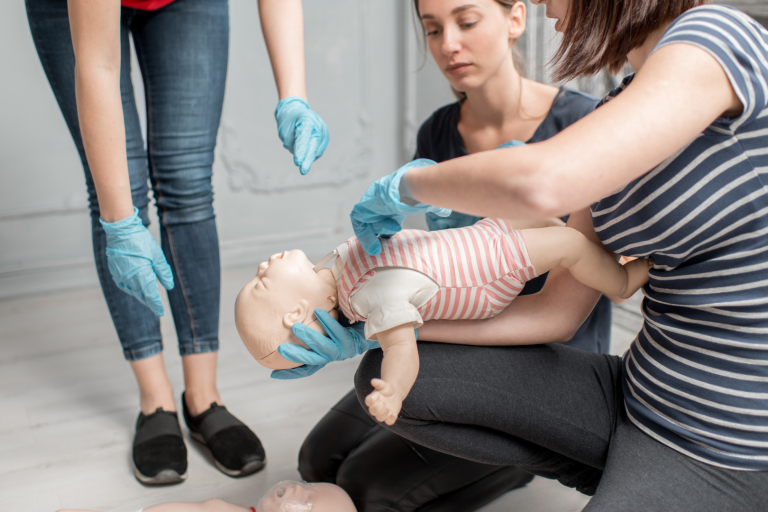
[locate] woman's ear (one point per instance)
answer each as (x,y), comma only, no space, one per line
(517,16)
(298,315)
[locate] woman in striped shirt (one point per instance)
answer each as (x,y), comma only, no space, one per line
(672,167)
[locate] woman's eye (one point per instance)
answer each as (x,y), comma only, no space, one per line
(432,32)
(469,25)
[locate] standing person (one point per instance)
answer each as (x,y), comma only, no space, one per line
(671,167)
(182,49)
(475,50)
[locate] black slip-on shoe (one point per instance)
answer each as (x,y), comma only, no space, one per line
(159,452)
(235,448)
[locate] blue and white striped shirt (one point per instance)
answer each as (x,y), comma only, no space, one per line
(696,376)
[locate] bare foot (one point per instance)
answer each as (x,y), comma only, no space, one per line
(637,274)
(384,404)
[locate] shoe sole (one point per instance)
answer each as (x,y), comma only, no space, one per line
(164,477)
(246,470)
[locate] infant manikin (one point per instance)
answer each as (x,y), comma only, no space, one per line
(454,274)
(287,496)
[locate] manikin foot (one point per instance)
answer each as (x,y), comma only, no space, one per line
(637,273)
(384,403)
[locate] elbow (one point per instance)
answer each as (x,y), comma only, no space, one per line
(536,191)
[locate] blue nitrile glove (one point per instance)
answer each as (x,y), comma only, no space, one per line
(453,221)
(340,344)
(135,260)
(302,131)
(458,219)
(380,211)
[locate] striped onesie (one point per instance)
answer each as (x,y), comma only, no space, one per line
(477,271)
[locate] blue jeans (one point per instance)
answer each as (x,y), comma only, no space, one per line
(182,50)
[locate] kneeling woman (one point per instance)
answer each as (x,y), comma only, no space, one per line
(475,50)
(672,166)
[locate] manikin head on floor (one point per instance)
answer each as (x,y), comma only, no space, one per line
(285,291)
(290,496)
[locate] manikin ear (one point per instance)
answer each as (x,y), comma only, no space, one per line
(298,315)
(517,21)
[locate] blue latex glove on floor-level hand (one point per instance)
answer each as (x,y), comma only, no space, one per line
(380,211)
(340,344)
(302,131)
(135,260)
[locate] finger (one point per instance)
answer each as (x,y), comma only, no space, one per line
(317,342)
(162,269)
(151,298)
(391,419)
(368,239)
(335,330)
(372,399)
(310,156)
(300,355)
(300,147)
(383,387)
(294,373)
(442,212)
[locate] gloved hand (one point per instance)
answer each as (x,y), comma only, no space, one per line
(380,211)
(342,343)
(453,221)
(135,260)
(302,131)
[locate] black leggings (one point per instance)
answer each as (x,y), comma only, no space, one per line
(556,412)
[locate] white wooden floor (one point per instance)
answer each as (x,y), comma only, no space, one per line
(68,403)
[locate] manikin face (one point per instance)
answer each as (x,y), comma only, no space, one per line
(289,496)
(556,9)
(471,40)
(286,290)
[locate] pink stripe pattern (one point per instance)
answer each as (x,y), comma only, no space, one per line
(480,269)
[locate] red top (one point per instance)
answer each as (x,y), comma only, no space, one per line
(146,5)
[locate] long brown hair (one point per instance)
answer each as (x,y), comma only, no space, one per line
(600,33)
(517,56)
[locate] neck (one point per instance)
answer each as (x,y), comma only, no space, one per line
(495,102)
(326,275)
(639,55)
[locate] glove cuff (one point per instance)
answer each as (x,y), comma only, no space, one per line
(128,222)
(286,101)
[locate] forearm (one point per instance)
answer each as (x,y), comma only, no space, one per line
(552,315)
(400,365)
(678,93)
(95,27)
(282,22)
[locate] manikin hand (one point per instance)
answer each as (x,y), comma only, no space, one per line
(384,403)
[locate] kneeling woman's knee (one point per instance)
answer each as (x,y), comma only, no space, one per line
(370,368)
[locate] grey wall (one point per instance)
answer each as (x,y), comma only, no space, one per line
(366,77)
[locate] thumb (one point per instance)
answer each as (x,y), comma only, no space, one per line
(369,240)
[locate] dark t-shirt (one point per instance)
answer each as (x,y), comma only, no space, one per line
(439,140)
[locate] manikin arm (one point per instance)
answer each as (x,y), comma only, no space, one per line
(563,246)
(398,373)
(552,315)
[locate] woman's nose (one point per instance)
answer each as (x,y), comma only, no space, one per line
(451,41)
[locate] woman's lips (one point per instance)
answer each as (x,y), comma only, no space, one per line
(458,69)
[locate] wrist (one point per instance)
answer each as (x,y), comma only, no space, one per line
(406,197)
(120,223)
